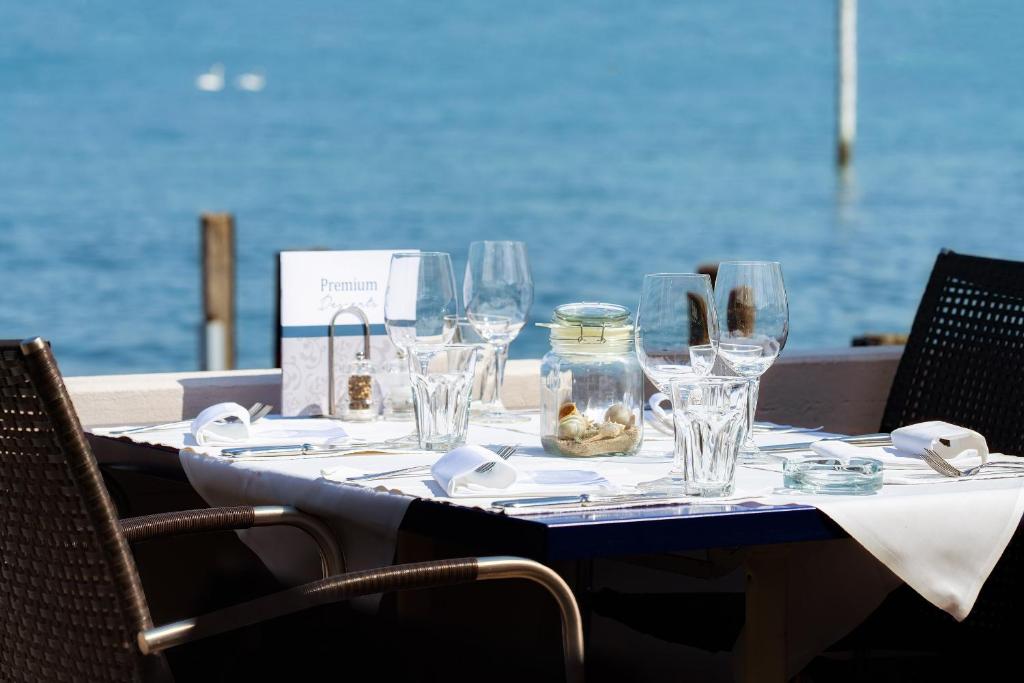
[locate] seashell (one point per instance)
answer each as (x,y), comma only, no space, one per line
(567,409)
(619,414)
(572,426)
(610,430)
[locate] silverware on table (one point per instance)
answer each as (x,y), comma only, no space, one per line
(880,439)
(948,469)
(257,411)
(505,452)
(787,429)
(589,500)
(293,449)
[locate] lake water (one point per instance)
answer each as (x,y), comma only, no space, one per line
(614,138)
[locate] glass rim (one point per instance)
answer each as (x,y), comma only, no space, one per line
(704,275)
(443,346)
(497,242)
(709,379)
(750,263)
(410,254)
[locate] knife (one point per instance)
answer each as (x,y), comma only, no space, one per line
(300,449)
(880,439)
(587,500)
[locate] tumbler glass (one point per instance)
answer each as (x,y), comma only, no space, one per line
(442,380)
(710,416)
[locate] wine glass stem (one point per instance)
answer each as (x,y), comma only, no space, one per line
(489,388)
(678,468)
(752,390)
(500,356)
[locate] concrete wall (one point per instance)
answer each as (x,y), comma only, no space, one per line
(844,390)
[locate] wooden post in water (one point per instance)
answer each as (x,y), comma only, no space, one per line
(218,334)
(846,108)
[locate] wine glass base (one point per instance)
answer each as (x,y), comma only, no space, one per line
(749,452)
(407,441)
(675,485)
(498,417)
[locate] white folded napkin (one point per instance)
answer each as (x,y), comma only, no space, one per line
(212,426)
(456,473)
(890,456)
(902,467)
(948,440)
(457,470)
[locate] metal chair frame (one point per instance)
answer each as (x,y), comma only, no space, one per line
(44,453)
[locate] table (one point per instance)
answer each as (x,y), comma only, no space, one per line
(771,531)
(583,536)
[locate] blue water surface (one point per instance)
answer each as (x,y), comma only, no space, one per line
(614,138)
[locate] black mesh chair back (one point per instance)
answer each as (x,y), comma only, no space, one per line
(964,363)
(71,604)
(964,359)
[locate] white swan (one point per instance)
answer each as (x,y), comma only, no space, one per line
(212,80)
(253,81)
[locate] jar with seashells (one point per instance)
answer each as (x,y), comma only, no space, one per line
(591,384)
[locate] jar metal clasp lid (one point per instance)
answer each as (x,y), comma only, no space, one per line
(589,323)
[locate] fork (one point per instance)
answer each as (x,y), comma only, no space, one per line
(505,452)
(257,411)
(948,469)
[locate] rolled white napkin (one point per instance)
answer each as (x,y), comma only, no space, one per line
(457,470)
(212,426)
(889,455)
(212,429)
(456,473)
(960,446)
(948,440)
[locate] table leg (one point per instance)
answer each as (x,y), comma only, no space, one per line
(764,650)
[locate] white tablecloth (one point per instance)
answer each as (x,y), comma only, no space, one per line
(942,538)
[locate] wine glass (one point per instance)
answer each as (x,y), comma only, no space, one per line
(498,293)
(419,304)
(751,300)
(676,336)
(420,299)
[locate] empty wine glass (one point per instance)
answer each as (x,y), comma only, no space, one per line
(498,293)
(676,335)
(419,304)
(483,383)
(751,300)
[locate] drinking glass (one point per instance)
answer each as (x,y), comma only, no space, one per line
(676,330)
(484,382)
(418,303)
(420,299)
(442,379)
(710,416)
(751,300)
(498,292)
(676,336)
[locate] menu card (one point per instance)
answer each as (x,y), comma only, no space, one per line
(315,284)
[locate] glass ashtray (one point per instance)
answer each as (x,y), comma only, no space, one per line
(823,474)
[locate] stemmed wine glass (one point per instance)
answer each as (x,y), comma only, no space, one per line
(676,335)
(420,303)
(751,300)
(498,293)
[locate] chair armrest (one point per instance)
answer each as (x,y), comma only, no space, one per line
(384,580)
(238,517)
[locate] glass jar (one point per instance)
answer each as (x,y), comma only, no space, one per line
(361,393)
(591,384)
(396,389)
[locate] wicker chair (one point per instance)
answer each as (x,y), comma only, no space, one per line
(963,363)
(71,603)
(964,359)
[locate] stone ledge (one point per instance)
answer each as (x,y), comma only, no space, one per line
(843,389)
